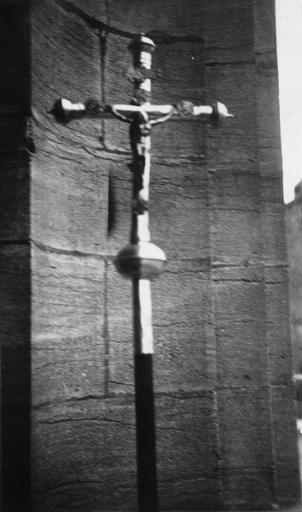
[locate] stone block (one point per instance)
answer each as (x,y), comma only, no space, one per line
(235,217)
(236,236)
(93,12)
(179,210)
(267,94)
(246,453)
(182,316)
(120,333)
(70,202)
(96,471)
(229,27)
(68,349)
(234,189)
(277,330)
(242,447)
(274,233)
(240,327)
(187,437)
(271,190)
(183,140)
(190,494)
(265,29)
(285,444)
(14,197)
(232,144)
(169,84)
(119,204)
(256,490)
(65,56)
(269,161)
(164,18)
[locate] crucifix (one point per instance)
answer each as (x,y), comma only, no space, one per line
(141,260)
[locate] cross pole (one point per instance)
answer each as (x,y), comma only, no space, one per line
(141,260)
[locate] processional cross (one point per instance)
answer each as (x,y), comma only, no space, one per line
(141,260)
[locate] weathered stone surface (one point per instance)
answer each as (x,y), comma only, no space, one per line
(256,489)
(274,234)
(68,352)
(163,17)
(239,318)
(265,28)
(65,56)
(235,236)
(277,329)
(229,26)
(187,437)
(182,319)
(180,140)
(70,202)
(84,455)
(246,456)
(119,206)
(268,101)
(91,12)
(293,225)
(232,146)
(235,217)
(287,482)
(120,333)
(179,209)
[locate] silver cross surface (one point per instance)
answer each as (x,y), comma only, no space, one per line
(141,260)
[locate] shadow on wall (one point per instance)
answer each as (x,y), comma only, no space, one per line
(14,256)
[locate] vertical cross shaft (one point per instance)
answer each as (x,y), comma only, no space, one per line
(142,305)
(140,137)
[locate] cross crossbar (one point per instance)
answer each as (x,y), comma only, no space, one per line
(65,111)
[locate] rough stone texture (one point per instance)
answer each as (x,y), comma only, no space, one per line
(222,370)
(293,224)
(274,253)
(94,471)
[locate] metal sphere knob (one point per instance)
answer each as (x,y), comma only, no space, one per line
(143,260)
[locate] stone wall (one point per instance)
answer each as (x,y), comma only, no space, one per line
(293,224)
(224,400)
